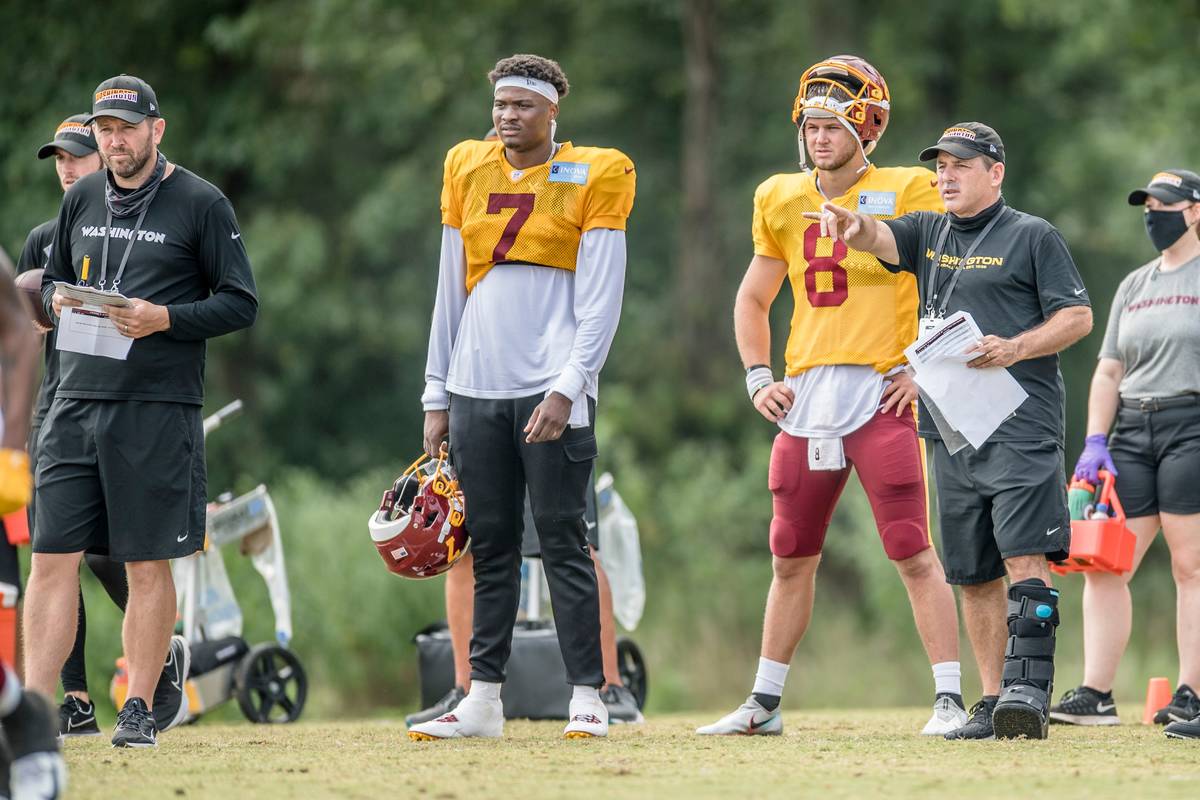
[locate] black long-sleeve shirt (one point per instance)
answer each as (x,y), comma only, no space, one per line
(188,257)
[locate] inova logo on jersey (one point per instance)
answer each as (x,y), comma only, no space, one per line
(569,172)
(880,204)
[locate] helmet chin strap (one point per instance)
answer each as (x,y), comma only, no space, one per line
(845,123)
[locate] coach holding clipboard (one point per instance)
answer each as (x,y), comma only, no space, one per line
(122,466)
(1003,507)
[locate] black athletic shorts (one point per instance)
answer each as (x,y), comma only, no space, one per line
(125,478)
(1156,450)
(530,548)
(1004,500)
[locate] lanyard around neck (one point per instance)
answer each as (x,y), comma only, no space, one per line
(931,291)
(137,227)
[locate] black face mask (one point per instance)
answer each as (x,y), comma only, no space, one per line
(1164,228)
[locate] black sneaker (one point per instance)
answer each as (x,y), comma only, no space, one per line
(1184,706)
(170,699)
(77,718)
(37,768)
(979,726)
(135,726)
(441,707)
(1183,730)
(1085,706)
(621,704)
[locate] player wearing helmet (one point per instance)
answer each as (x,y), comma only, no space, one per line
(845,400)
(529,294)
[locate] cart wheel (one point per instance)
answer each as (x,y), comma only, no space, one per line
(270,684)
(632,668)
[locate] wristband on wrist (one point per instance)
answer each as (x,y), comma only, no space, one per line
(758,377)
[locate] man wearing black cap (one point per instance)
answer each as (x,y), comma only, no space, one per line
(75,153)
(73,149)
(1003,507)
(121,465)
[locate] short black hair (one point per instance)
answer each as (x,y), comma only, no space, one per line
(527,65)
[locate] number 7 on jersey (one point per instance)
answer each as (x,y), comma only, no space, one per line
(523,205)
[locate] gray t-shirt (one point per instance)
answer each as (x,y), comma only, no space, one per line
(1154,331)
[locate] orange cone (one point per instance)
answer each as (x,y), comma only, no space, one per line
(1158,695)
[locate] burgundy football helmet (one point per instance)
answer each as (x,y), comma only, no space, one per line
(418,529)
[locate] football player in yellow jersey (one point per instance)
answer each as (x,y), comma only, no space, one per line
(529,295)
(845,400)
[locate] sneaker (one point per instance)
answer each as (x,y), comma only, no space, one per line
(979,725)
(948,715)
(1183,730)
(1085,706)
(588,718)
(441,707)
(37,769)
(471,718)
(1184,706)
(170,698)
(135,726)
(621,704)
(750,719)
(77,718)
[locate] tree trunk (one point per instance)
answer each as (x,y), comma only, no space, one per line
(702,318)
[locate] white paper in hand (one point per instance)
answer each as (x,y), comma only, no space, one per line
(88,330)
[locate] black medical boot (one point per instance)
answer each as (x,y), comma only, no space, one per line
(1028,680)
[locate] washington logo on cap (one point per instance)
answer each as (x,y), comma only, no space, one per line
(961,133)
(1166,177)
(75,128)
(110,95)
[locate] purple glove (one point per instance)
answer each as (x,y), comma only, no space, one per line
(1094,458)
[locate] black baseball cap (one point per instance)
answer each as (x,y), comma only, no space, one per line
(1170,186)
(124,97)
(967,140)
(74,135)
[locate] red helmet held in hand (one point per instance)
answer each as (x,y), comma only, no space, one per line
(418,529)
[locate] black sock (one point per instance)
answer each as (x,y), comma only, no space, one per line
(768,701)
(956,698)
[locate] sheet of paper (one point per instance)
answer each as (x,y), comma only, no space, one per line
(90,295)
(88,330)
(974,402)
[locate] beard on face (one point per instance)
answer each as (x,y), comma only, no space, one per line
(132,165)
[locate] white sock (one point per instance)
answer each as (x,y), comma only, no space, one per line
(770,677)
(10,698)
(482,690)
(589,693)
(947,677)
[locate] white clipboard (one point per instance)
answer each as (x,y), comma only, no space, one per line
(90,296)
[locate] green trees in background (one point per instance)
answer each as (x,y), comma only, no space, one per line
(326,124)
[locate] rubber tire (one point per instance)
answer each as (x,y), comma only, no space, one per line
(632,667)
(258,674)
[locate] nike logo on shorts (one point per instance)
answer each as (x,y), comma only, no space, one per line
(239,235)
(1048,533)
(1078,292)
(181,538)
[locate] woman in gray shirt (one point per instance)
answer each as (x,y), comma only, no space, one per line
(1148,379)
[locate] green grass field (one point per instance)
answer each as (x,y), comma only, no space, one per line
(828,754)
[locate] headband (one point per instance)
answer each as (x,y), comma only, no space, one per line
(541,87)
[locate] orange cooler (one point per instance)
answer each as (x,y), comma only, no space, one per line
(1100,545)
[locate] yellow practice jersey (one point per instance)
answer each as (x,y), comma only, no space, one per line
(536,215)
(848,308)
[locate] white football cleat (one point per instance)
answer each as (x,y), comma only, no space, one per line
(473,717)
(588,718)
(947,716)
(750,719)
